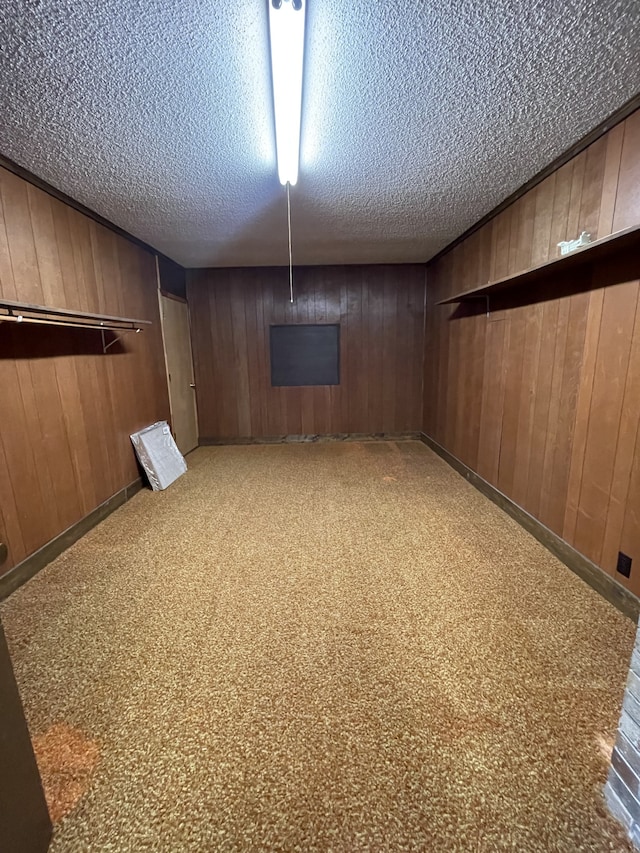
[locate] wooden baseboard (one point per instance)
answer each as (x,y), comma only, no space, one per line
(596,577)
(207,441)
(25,570)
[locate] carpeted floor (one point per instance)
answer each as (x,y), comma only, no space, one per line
(336,646)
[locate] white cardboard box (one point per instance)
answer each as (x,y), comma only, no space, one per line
(159,455)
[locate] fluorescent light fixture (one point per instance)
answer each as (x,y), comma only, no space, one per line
(286,31)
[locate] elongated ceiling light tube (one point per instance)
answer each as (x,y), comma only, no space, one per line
(286,32)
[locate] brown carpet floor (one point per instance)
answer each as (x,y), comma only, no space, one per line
(332,647)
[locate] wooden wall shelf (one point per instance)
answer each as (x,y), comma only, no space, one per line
(596,251)
(25,312)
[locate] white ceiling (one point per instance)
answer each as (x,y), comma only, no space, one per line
(418,117)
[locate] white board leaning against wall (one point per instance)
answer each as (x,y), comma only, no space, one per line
(159,455)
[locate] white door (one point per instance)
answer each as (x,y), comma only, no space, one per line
(177,348)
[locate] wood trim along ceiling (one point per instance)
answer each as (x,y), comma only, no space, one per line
(28,176)
(604,127)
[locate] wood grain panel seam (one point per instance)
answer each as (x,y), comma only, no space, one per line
(424,346)
(627,478)
(610,190)
(569,526)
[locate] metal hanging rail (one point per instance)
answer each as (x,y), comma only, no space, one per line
(24,312)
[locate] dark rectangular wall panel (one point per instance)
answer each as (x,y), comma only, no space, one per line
(380,310)
(305,354)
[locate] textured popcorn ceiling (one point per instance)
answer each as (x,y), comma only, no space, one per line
(419,117)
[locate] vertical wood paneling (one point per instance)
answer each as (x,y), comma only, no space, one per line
(522,234)
(375,357)
(322,400)
(240,357)
(456,330)
(70,281)
(472,434)
(583,409)
(490,432)
(380,310)
(627,208)
(78,435)
(24,491)
(559,406)
(252,361)
(542,407)
(625,447)
(83,261)
(612,364)
(390,361)
(500,244)
(526,408)
(6,270)
(514,357)
(610,179)
(545,512)
(346,345)
(592,187)
(575,196)
(54,439)
(560,209)
(202,366)
(22,252)
(10,521)
(630,539)
(30,386)
(443,314)
(413,347)
(574,344)
(46,247)
(67,408)
(544,194)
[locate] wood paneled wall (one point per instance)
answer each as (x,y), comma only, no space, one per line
(66,409)
(381,314)
(542,398)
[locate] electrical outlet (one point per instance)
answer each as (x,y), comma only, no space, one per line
(624,564)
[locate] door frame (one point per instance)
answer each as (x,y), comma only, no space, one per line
(168,295)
